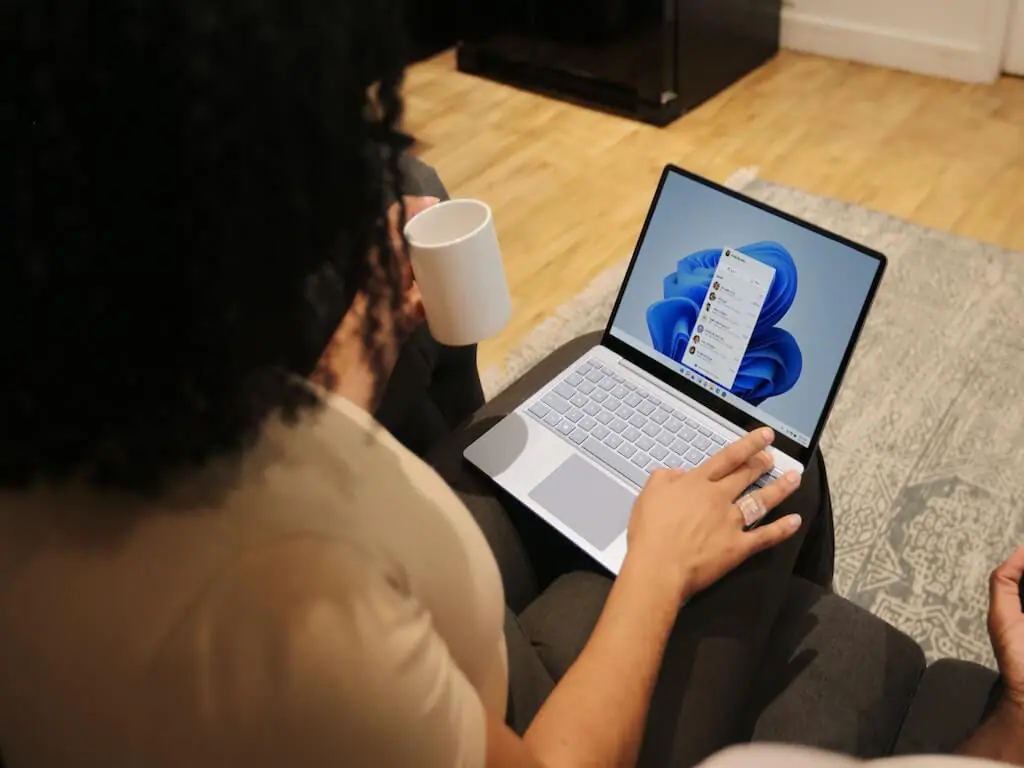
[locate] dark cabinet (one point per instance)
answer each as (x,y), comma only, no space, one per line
(649,59)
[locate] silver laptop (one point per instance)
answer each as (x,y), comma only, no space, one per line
(732,315)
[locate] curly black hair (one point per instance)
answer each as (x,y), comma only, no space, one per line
(199,192)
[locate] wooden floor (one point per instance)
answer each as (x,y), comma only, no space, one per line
(570,186)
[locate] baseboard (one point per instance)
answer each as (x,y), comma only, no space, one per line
(893,48)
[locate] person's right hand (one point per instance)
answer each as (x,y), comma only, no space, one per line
(686,529)
(1006,625)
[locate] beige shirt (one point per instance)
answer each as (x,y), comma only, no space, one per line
(326,600)
(773,756)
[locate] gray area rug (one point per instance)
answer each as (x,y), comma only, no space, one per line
(925,447)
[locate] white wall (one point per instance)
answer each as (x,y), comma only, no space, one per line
(959,39)
(1014,59)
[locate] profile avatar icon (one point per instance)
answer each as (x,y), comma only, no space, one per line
(692,350)
(700,329)
(712,296)
(708,307)
(716,285)
(728,252)
(696,339)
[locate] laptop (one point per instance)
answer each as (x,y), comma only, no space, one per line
(731,316)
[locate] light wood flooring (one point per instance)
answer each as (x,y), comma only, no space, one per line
(569,186)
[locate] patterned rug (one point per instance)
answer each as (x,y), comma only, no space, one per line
(925,447)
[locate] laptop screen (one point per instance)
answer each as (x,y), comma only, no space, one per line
(753,307)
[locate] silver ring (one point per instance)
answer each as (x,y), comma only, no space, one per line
(752,508)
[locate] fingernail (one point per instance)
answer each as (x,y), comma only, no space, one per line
(792,477)
(768,435)
(793,522)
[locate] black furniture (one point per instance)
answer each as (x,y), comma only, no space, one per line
(652,60)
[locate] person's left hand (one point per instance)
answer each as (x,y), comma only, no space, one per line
(411,312)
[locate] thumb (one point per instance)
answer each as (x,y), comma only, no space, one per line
(768,536)
(1004,591)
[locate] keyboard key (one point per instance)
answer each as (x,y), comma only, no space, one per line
(659,452)
(632,399)
(694,456)
(573,415)
(607,456)
(565,390)
(612,440)
(646,407)
(587,423)
(629,385)
(627,450)
(623,412)
(552,419)
(618,378)
(641,459)
(594,375)
(600,431)
(700,443)
(680,446)
(631,434)
(704,431)
(605,417)
(612,403)
(654,400)
(660,416)
(674,461)
(714,449)
(718,439)
(617,426)
(591,409)
(692,422)
(566,427)
(539,410)
(644,443)
(638,420)
(687,434)
(583,369)
(607,384)
(688,465)
(556,403)
(573,379)
(620,391)
(651,429)
(665,437)
(585,387)
(599,395)
(643,393)
(673,424)
(578,436)
(578,400)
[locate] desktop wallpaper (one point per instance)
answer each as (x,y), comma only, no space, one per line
(804,324)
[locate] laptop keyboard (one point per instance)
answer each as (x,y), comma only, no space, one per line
(624,426)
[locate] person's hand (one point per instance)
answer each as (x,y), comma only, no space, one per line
(1006,625)
(411,311)
(687,530)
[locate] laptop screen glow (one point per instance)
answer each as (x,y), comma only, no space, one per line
(754,308)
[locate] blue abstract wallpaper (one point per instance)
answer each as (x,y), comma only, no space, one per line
(772,363)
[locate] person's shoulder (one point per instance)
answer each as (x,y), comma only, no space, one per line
(312,649)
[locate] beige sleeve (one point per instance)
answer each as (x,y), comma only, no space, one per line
(311,657)
(779,756)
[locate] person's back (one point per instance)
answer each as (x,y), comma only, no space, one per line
(232,617)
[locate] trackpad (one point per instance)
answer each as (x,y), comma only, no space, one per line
(585,499)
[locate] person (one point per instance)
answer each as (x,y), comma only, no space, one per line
(208,560)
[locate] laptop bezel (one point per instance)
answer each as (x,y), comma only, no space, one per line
(721,408)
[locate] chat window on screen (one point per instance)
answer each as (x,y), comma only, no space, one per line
(727,319)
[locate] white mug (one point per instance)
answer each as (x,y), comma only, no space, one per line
(457,264)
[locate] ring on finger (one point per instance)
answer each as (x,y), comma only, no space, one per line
(752,508)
